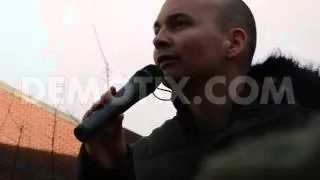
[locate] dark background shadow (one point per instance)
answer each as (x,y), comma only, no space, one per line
(21,163)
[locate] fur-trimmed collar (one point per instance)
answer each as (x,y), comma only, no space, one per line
(305,79)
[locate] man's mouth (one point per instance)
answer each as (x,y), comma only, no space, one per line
(166,60)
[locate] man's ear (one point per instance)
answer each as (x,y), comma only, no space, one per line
(235,42)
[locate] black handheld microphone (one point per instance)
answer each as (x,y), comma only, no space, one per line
(140,85)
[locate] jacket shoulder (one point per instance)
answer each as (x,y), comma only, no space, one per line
(162,139)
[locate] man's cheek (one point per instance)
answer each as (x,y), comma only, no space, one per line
(195,54)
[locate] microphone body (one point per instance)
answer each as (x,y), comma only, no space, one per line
(140,85)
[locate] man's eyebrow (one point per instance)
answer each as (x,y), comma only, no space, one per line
(179,14)
(172,17)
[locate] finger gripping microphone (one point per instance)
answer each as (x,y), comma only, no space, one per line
(139,86)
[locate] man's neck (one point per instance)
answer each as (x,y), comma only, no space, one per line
(213,112)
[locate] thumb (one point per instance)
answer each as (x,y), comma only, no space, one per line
(113,90)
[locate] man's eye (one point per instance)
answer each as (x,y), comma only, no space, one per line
(180,24)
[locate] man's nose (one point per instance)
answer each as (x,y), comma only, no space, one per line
(162,40)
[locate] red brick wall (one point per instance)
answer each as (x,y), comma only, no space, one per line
(37,142)
(33,137)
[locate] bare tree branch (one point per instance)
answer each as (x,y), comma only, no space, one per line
(7,115)
(55,114)
(16,154)
(15,123)
(6,119)
(52,143)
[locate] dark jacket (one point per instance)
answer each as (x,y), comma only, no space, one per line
(293,155)
(175,150)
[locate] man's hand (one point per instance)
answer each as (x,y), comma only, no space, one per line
(109,147)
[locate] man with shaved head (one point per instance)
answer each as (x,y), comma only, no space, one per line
(204,49)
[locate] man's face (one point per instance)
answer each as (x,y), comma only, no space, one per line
(187,41)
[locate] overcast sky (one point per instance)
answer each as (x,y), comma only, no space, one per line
(49,50)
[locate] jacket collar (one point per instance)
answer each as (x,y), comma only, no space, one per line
(305,83)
